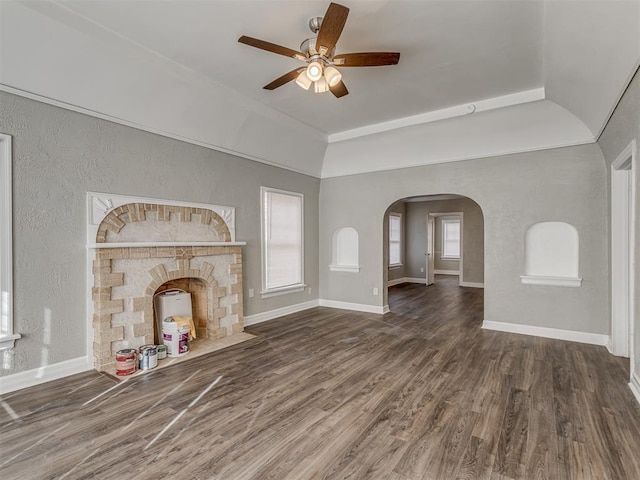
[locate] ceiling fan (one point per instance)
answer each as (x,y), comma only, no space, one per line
(319,54)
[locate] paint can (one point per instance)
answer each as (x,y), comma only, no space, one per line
(183,346)
(162,352)
(175,338)
(148,357)
(126,361)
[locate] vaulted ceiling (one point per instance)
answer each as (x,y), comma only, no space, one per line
(175,67)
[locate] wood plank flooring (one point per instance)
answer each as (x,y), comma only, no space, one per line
(419,393)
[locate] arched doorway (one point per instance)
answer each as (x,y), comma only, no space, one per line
(432,239)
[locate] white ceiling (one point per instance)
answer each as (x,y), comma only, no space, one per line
(452,52)
(175,68)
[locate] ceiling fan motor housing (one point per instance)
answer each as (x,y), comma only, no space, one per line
(315,23)
(308,47)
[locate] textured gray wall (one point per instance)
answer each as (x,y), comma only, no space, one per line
(58,156)
(622,128)
(473,237)
(514,192)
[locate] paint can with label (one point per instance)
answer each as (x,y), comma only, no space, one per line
(183,347)
(126,361)
(175,338)
(148,357)
(162,352)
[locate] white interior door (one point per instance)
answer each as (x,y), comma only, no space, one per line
(430,277)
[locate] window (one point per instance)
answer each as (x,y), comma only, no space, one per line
(451,238)
(395,239)
(282,242)
(7,337)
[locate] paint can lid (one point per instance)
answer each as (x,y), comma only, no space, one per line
(126,351)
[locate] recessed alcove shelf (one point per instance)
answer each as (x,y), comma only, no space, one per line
(345,268)
(551,281)
(551,255)
(345,250)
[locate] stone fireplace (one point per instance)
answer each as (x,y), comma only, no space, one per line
(145,246)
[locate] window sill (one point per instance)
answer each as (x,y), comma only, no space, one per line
(345,268)
(276,292)
(396,265)
(8,341)
(551,281)
(449,258)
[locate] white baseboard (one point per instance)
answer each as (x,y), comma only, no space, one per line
(278,312)
(358,307)
(609,346)
(397,281)
(634,385)
(571,335)
(44,374)
(386,309)
(446,272)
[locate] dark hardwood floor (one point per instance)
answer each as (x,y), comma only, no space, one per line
(419,393)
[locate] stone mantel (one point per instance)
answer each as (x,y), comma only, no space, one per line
(97,246)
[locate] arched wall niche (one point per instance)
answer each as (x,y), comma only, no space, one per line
(552,255)
(345,256)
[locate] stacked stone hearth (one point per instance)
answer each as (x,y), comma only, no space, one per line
(126,277)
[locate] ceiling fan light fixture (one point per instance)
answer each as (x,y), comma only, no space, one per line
(303,80)
(332,75)
(321,85)
(314,71)
(319,56)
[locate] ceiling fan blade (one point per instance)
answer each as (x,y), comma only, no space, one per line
(340,90)
(331,28)
(366,59)
(286,78)
(271,47)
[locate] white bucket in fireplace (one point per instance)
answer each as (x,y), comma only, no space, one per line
(175,338)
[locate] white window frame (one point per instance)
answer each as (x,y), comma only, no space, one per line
(399,217)
(7,337)
(299,287)
(446,221)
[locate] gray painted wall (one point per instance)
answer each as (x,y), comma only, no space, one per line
(623,127)
(473,248)
(58,156)
(514,192)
